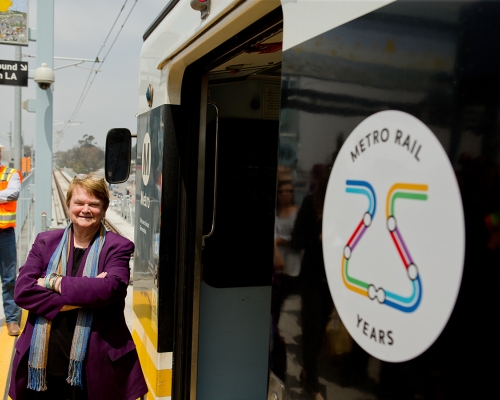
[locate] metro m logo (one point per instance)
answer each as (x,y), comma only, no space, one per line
(146,159)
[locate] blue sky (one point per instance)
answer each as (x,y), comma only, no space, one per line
(19,5)
(80,30)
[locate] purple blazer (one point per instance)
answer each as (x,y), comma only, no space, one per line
(111,364)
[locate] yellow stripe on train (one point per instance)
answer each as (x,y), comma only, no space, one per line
(157,367)
(159,381)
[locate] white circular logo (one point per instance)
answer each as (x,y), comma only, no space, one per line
(393,236)
(146,159)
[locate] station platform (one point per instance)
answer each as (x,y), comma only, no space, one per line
(25,241)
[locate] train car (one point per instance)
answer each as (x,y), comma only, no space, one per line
(317,200)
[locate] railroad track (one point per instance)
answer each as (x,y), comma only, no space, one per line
(62,182)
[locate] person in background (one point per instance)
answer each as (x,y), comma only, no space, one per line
(317,303)
(10,186)
(76,344)
(286,270)
(286,259)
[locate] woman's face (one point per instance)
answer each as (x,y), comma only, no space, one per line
(85,211)
(285,194)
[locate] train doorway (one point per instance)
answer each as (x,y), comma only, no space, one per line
(237,166)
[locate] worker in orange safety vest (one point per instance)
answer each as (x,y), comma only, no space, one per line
(10,186)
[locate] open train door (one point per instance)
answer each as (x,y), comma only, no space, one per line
(237,168)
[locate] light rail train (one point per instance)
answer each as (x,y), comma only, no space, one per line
(317,200)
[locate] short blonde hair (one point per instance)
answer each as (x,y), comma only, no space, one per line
(94,185)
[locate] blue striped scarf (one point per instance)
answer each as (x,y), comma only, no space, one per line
(39,347)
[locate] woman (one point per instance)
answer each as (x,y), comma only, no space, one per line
(74,285)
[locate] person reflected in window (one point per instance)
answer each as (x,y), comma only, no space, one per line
(317,302)
(286,259)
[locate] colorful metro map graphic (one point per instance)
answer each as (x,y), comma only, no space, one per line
(406,191)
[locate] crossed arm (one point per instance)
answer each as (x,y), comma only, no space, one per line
(58,289)
(108,287)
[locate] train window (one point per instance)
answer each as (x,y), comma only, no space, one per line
(240,252)
(245,84)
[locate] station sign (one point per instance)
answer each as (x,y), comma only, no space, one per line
(13,73)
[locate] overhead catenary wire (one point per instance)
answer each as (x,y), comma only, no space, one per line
(88,85)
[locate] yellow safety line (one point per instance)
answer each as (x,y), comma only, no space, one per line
(7,353)
(6,350)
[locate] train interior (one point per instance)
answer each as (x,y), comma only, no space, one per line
(235,297)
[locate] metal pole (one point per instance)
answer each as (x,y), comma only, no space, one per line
(18,151)
(44,115)
(44,222)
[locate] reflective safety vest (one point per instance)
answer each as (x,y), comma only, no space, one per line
(8,209)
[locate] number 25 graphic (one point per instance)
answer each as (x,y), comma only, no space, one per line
(406,191)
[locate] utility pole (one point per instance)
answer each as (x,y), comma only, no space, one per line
(18,151)
(44,115)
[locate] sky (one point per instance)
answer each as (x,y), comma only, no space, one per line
(80,30)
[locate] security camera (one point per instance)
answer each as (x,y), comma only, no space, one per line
(201,5)
(44,76)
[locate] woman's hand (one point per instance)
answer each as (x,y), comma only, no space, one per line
(58,289)
(57,285)
(42,282)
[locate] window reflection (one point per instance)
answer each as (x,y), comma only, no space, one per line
(435,61)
